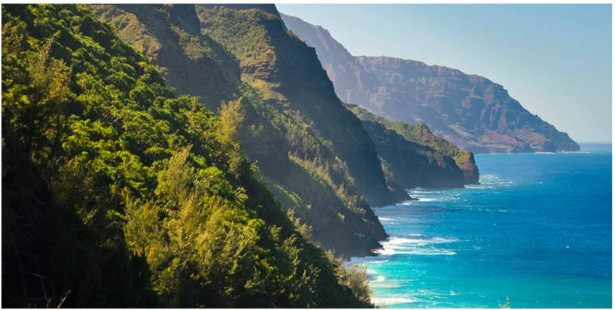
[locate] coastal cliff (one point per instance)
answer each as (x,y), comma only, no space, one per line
(469,111)
(314,154)
(416,158)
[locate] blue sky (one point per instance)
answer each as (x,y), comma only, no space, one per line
(554,59)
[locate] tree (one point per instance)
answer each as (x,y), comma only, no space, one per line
(231,118)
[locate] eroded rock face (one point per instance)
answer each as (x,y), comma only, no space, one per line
(470,111)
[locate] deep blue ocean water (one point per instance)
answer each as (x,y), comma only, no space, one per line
(536,230)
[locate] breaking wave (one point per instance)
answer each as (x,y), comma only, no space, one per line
(416,245)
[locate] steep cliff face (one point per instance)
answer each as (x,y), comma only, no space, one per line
(276,62)
(421,134)
(313,153)
(353,84)
(467,110)
(410,161)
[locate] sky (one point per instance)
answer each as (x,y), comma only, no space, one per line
(554,59)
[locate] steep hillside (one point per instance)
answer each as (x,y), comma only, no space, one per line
(270,60)
(116,193)
(420,134)
(169,36)
(312,152)
(409,162)
(468,110)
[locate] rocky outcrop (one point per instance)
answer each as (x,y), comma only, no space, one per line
(470,111)
(413,157)
(421,135)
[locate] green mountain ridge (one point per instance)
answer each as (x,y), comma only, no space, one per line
(314,154)
(272,67)
(116,193)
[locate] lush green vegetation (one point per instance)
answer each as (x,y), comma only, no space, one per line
(420,134)
(116,193)
(169,36)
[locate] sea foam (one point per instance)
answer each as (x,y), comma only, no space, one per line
(386,219)
(416,245)
(383,301)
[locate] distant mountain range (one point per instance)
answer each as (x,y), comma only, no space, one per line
(470,111)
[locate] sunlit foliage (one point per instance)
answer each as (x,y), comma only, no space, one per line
(118,194)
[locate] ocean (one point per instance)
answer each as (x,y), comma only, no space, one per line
(536,233)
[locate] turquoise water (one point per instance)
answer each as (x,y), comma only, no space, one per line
(536,230)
